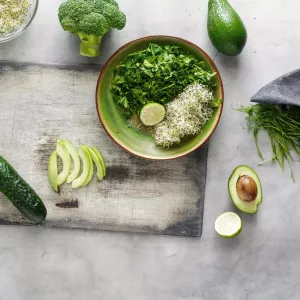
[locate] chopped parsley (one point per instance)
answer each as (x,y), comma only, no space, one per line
(157,74)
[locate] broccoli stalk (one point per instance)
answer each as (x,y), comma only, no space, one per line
(89,45)
(90,20)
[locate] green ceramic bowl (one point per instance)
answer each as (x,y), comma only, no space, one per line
(138,142)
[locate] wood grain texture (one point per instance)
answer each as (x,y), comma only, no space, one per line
(40,104)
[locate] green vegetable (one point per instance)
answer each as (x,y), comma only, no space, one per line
(228,225)
(52,170)
(245,189)
(156,74)
(76,161)
(283,127)
(90,20)
(226,29)
(91,169)
(19,192)
(66,150)
(98,163)
(101,160)
(86,165)
(63,153)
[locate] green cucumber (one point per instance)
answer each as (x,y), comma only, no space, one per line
(79,181)
(63,153)
(52,170)
(76,161)
(91,170)
(96,160)
(21,195)
(100,159)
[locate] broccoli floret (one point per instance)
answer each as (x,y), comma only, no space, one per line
(90,20)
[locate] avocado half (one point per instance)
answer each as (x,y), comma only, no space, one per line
(250,178)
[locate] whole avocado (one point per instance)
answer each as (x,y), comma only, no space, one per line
(226,29)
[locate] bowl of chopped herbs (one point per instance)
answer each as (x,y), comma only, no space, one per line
(160,97)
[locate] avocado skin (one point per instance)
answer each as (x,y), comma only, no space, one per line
(226,29)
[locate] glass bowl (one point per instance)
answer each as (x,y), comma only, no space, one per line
(27,21)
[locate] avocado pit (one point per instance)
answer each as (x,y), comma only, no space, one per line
(246,188)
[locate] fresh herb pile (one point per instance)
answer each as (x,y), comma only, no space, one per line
(156,74)
(282,123)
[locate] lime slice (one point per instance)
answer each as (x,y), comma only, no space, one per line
(152,114)
(228,225)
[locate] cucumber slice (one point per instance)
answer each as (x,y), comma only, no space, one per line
(96,160)
(101,160)
(228,225)
(86,159)
(91,170)
(52,170)
(63,153)
(76,161)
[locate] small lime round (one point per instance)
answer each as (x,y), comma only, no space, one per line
(152,114)
(228,225)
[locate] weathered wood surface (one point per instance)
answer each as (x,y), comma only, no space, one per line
(38,105)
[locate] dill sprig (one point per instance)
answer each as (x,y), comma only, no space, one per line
(282,123)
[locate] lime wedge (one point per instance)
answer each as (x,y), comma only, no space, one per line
(152,114)
(228,225)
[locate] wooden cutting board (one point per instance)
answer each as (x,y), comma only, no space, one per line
(41,103)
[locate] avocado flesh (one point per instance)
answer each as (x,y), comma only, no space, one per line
(247,207)
(226,29)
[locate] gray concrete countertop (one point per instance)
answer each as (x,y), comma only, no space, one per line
(262,263)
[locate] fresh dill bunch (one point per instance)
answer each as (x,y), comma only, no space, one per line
(282,123)
(185,115)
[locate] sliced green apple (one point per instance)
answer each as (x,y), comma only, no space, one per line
(63,153)
(52,170)
(86,163)
(91,171)
(96,160)
(76,161)
(101,160)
